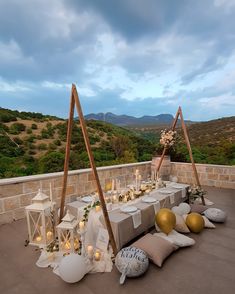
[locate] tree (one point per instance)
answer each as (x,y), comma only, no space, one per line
(51,162)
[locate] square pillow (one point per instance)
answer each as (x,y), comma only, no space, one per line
(157,248)
(180,225)
(198,208)
(177,239)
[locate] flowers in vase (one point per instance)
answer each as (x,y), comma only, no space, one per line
(168,138)
(195,192)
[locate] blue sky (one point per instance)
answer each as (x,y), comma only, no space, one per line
(136,57)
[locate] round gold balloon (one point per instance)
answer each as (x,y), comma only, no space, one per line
(166,220)
(195,222)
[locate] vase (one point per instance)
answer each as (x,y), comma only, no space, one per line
(165,168)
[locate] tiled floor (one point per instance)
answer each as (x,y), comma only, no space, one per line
(208,267)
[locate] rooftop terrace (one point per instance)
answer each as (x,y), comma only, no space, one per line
(207,267)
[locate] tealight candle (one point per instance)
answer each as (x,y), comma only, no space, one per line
(81,225)
(39,238)
(115,200)
(97,255)
(67,245)
(49,234)
(90,251)
(97,208)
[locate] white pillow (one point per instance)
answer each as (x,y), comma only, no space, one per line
(185,208)
(176,210)
(177,239)
(208,224)
(215,215)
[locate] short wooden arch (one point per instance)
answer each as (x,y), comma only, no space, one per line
(74,102)
(180,114)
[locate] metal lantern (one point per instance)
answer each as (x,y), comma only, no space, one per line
(67,234)
(40,225)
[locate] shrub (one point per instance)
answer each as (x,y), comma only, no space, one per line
(34,127)
(17,128)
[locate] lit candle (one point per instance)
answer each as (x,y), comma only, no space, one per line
(76,243)
(39,238)
(49,234)
(97,208)
(90,251)
(97,255)
(67,245)
(114,199)
(125,199)
(81,225)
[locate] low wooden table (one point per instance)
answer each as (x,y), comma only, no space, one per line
(122,223)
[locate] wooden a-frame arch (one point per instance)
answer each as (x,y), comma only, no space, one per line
(180,114)
(74,102)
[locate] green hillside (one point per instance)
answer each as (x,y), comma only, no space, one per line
(212,142)
(32,143)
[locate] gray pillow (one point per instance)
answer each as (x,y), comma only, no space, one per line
(215,215)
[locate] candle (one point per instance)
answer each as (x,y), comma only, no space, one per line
(125,199)
(90,251)
(81,225)
(67,245)
(97,208)
(76,243)
(112,185)
(49,234)
(97,255)
(39,238)
(50,192)
(115,200)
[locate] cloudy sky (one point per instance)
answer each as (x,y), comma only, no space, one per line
(136,57)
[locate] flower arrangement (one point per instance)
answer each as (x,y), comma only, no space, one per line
(195,192)
(168,138)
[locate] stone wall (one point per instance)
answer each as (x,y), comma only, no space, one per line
(16,193)
(221,176)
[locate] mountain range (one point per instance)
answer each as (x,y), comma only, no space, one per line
(127,120)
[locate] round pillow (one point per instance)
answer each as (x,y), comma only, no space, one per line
(184,208)
(72,268)
(216,215)
(176,210)
(131,262)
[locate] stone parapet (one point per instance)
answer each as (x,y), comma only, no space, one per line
(16,193)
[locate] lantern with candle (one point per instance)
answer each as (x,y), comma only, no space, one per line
(67,234)
(39,220)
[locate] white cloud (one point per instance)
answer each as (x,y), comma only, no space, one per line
(13,86)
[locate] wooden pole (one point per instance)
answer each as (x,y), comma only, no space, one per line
(67,153)
(165,148)
(190,151)
(94,170)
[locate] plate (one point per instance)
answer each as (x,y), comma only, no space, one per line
(128,209)
(176,186)
(87,199)
(149,199)
(166,191)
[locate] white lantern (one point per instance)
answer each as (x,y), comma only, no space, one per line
(67,234)
(40,226)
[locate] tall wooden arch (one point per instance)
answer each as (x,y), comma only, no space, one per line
(180,114)
(74,102)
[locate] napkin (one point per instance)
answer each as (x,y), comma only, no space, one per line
(172,198)
(183,193)
(136,217)
(156,206)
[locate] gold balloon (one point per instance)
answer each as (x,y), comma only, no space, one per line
(166,220)
(195,222)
